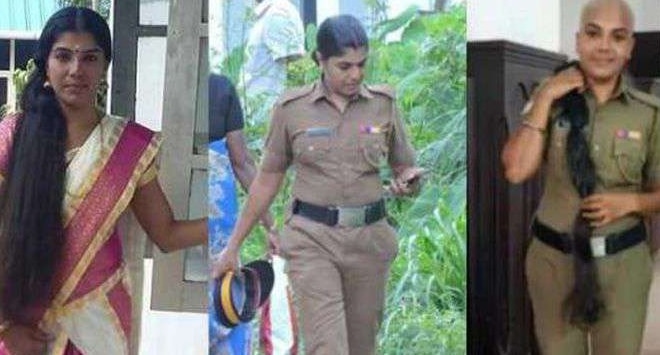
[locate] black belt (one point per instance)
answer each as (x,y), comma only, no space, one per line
(600,245)
(344,216)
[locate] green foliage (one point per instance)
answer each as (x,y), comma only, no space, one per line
(427,290)
(100,6)
(19,79)
(426,296)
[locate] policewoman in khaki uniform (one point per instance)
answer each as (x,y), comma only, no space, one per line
(337,242)
(622,138)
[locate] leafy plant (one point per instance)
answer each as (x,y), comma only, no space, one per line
(19,79)
(100,6)
(427,289)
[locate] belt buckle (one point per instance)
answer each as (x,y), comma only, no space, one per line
(351,216)
(598,246)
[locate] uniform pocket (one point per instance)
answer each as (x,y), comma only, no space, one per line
(629,158)
(373,149)
(380,240)
(540,269)
(309,149)
(292,237)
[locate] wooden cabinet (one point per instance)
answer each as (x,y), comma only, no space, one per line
(501,75)
(645,63)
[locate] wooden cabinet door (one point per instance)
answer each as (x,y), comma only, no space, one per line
(500,77)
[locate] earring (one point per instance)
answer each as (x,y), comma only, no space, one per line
(46,84)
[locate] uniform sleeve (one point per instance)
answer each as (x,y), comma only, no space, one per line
(555,111)
(284,36)
(277,151)
(401,151)
(652,166)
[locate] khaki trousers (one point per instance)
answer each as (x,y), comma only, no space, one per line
(338,276)
(625,279)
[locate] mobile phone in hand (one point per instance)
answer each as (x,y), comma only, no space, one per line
(415,178)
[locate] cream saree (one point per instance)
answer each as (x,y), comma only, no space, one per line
(91,312)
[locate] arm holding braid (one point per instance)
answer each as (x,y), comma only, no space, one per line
(523,152)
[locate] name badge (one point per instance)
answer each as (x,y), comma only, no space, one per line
(318,132)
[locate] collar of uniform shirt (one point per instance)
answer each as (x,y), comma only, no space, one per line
(621,91)
(321,91)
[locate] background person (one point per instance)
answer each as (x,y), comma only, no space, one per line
(228,157)
(276,38)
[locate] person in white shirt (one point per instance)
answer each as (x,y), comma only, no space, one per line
(276,38)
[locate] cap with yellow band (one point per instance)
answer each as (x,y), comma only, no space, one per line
(238,295)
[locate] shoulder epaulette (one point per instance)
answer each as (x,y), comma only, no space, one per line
(645,98)
(293,94)
(382,89)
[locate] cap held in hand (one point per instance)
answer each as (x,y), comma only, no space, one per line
(238,295)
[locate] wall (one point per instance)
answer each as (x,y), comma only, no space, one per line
(534,23)
(647,18)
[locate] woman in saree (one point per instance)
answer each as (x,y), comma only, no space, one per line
(68,172)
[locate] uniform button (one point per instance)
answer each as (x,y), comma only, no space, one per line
(596,147)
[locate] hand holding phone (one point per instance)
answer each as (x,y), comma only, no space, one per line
(415,177)
(407,183)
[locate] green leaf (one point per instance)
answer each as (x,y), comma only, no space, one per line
(382,29)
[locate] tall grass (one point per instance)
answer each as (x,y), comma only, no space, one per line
(426,304)
(426,296)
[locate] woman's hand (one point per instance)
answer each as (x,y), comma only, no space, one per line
(273,241)
(24,340)
(604,208)
(226,261)
(562,83)
(407,182)
(155,215)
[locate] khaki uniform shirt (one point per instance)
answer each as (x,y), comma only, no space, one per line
(336,155)
(624,139)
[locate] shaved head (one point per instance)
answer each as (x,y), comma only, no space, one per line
(621,5)
(605,40)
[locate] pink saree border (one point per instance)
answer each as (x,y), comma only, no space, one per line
(101,200)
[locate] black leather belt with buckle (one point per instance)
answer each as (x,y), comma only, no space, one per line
(601,245)
(343,216)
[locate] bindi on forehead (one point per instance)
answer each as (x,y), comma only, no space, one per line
(72,39)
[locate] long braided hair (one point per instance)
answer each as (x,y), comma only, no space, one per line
(31,230)
(585,304)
